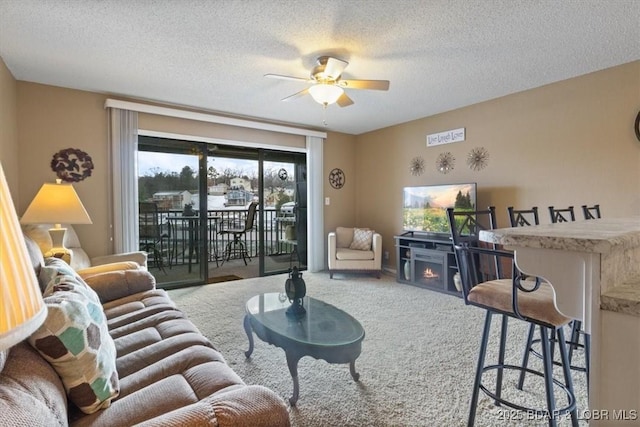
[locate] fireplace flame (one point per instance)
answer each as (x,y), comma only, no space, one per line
(429,274)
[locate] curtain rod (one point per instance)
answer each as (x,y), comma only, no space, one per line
(210,118)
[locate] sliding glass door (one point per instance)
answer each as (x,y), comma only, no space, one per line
(172,222)
(284,218)
(202,227)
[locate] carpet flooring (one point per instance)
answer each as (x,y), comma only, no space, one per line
(417,362)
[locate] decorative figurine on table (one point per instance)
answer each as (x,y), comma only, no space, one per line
(296,290)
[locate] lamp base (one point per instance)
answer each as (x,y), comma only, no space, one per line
(296,309)
(57,246)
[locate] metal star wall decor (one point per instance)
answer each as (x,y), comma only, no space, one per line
(416,167)
(478,158)
(445,162)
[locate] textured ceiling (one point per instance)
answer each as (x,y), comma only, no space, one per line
(212,55)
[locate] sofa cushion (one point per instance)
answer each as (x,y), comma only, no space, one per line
(362,239)
(113,285)
(75,340)
(31,393)
(344,237)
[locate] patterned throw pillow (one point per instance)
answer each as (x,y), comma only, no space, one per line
(362,239)
(75,340)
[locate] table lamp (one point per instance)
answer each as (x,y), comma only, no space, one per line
(22,310)
(56,204)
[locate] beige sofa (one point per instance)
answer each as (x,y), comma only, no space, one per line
(169,374)
(354,250)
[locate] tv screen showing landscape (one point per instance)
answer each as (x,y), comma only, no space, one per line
(425,207)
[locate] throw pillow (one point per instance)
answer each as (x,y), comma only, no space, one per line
(362,239)
(75,340)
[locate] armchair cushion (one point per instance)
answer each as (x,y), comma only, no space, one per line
(103,268)
(362,239)
(344,237)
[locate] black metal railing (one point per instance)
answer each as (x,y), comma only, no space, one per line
(181,234)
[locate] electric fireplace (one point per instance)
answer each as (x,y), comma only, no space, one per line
(430,267)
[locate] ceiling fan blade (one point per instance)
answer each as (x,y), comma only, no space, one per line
(281,77)
(334,68)
(365,84)
(344,100)
(296,95)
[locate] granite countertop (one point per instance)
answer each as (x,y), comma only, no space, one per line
(596,236)
(622,299)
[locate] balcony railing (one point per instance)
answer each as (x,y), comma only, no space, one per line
(181,235)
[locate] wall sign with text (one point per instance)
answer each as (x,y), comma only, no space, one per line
(446,137)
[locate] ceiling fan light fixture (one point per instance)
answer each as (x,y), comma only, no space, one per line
(325,94)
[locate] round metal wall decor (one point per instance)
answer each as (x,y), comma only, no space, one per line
(282,174)
(637,126)
(416,167)
(72,165)
(445,162)
(337,178)
(478,158)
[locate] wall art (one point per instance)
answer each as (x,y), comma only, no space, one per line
(445,162)
(478,158)
(416,166)
(337,178)
(72,165)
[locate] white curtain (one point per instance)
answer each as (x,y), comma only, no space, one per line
(316,253)
(123,138)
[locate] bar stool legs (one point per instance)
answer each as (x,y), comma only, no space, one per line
(548,335)
(572,344)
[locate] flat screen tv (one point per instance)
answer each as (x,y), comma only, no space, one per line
(424,208)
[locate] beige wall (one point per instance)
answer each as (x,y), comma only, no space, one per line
(340,152)
(9,129)
(51,119)
(567,143)
(571,142)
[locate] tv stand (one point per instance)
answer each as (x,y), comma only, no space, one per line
(427,261)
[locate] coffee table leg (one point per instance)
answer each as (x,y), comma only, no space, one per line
(247,329)
(352,369)
(292,362)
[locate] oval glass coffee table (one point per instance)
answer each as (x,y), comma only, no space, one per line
(324,332)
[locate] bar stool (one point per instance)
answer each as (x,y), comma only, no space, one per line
(491,282)
(562,215)
(591,212)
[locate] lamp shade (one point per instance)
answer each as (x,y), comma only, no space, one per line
(325,94)
(56,203)
(22,309)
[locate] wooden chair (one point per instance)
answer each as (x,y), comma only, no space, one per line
(491,282)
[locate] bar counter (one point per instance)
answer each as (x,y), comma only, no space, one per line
(594,268)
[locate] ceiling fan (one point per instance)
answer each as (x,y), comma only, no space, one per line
(327,86)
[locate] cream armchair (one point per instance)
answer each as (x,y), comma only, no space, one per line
(80,261)
(355,250)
